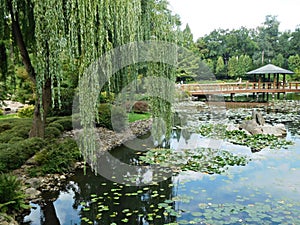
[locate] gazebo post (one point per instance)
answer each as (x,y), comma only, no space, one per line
(278,94)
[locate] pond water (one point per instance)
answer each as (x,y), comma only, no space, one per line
(264,191)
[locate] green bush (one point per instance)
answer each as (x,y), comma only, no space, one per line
(12,196)
(26,112)
(112,117)
(52,132)
(14,155)
(17,131)
(66,122)
(1,112)
(58,157)
(56,125)
(4,127)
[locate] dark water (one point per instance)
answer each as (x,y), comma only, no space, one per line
(265,191)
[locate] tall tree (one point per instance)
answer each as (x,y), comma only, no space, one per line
(268,37)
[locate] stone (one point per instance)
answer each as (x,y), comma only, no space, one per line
(256,115)
(278,130)
(251,126)
(257,126)
(32,193)
(33,182)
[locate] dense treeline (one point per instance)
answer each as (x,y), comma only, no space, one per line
(231,53)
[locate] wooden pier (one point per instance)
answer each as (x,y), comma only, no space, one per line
(239,88)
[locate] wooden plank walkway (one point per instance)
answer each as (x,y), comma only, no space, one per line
(239,88)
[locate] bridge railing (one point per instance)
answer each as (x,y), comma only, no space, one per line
(239,86)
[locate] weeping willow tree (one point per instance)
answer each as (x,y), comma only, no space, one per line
(82,31)
(161,25)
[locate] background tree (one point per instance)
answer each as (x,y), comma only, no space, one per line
(294,65)
(268,38)
(220,68)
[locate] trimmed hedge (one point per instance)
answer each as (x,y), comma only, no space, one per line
(14,155)
(58,157)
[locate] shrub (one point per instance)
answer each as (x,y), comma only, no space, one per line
(56,125)
(16,131)
(66,122)
(14,155)
(4,127)
(12,196)
(104,118)
(26,112)
(52,132)
(140,107)
(1,112)
(112,117)
(106,97)
(58,157)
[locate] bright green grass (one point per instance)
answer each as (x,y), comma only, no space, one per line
(132,117)
(8,116)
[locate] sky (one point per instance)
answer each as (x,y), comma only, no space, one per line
(205,16)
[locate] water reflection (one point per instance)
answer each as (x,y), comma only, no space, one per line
(266,189)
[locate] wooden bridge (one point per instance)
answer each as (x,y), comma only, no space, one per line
(239,88)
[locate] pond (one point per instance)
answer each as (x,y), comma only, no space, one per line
(266,190)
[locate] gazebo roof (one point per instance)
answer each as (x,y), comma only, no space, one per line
(270,69)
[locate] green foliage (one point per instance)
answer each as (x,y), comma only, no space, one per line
(199,160)
(1,112)
(112,117)
(65,122)
(52,132)
(57,157)
(220,67)
(66,103)
(56,125)
(106,97)
(26,112)
(294,65)
(21,131)
(14,154)
(12,196)
(4,127)
(12,128)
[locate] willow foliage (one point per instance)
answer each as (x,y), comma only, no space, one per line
(81,31)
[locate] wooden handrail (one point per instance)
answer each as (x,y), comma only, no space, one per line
(239,86)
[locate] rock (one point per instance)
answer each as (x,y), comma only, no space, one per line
(257,126)
(251,126)
(256,115)
(231,127)
(277,130)
(33,182)
(32,193)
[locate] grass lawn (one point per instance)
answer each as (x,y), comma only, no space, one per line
(8,116)
(132,117)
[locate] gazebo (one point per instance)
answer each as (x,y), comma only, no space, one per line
(268,70)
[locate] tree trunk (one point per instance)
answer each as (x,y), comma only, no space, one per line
(49,213)
(39,116)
